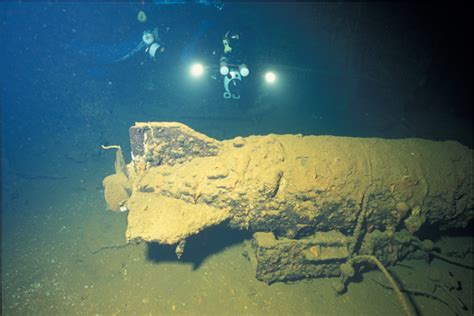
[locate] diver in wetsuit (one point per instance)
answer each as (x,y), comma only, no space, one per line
(150,42)
(231,66)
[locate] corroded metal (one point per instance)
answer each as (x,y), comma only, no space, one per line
(297,187)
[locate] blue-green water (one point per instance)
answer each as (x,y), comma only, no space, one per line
(71,80)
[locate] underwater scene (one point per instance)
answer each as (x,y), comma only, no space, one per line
(236,158)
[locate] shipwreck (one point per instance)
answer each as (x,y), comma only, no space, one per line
(316,205)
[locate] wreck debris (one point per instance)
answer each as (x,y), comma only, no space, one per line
(169,223)
(347,272)
(286,259)
(427,245)
(313,202)
(116,186)
(412,291)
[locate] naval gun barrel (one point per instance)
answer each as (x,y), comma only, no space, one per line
(181,181)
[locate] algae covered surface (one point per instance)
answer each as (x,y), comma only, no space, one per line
(182,182)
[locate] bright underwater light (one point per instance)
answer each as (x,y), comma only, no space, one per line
(224,68)
(197,70)
(270,77)
(244,70)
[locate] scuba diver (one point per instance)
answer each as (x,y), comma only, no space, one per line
(153,42)
(231,66)
(150,42)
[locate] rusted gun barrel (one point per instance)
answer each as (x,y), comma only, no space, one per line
(180,182)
